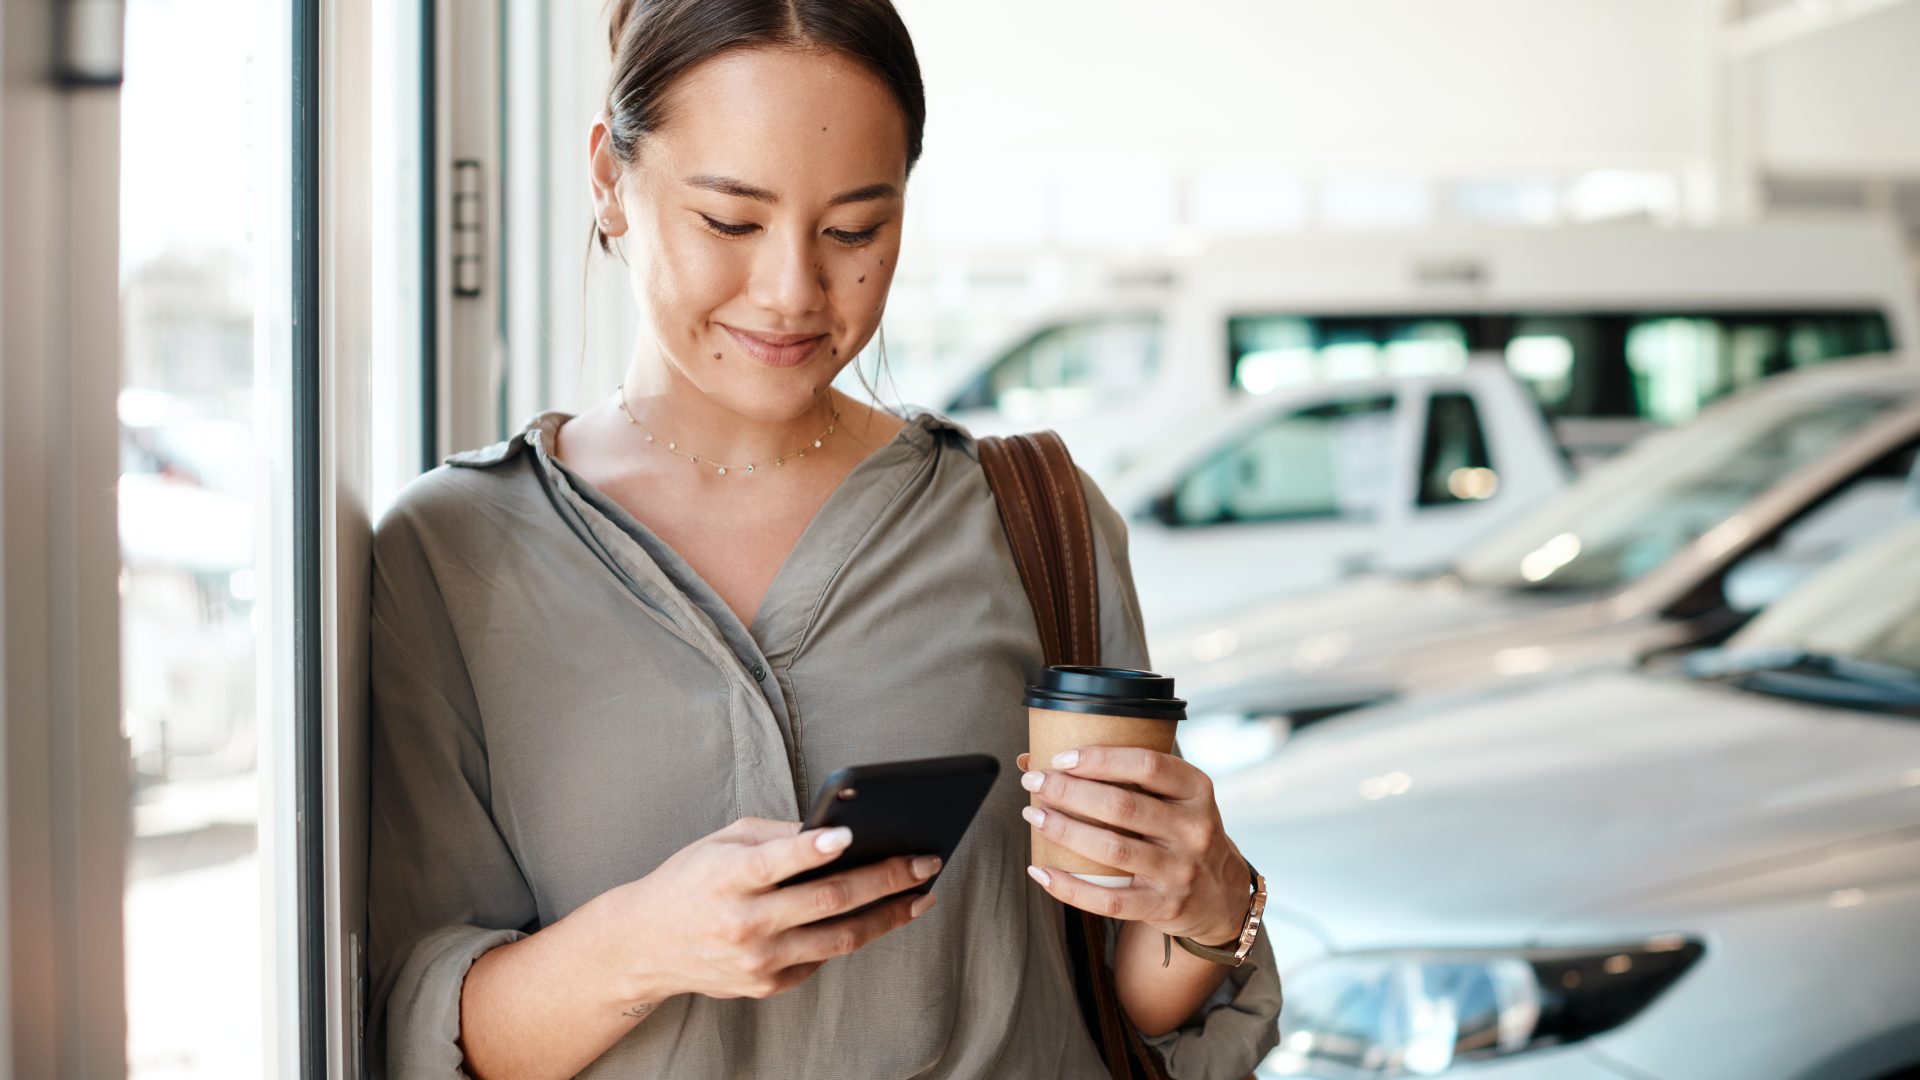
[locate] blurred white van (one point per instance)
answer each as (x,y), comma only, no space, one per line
(1610,327)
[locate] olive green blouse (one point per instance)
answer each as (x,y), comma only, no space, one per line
(559,703)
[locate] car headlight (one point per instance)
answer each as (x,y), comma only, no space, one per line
(1421,1013)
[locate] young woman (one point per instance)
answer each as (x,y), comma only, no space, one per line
(614,654)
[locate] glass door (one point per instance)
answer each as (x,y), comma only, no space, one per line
(278,278)
(207,199)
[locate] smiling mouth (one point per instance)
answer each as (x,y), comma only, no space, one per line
(778,350)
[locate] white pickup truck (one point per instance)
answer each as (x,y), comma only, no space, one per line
(1303,486)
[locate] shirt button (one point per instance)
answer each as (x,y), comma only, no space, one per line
(759,672)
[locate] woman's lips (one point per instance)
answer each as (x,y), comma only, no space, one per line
(778,350)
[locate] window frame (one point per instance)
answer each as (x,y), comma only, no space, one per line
(306,270)
(319,364)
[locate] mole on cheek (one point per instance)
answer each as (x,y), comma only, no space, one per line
(716,356)
(863,279)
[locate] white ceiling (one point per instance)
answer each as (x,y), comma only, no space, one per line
(1431,87)
(1429,84)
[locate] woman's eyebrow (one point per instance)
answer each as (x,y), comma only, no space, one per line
(870,193)
(727,185)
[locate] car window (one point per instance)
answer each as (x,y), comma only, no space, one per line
(1878,498)
(1866,606)
(1267,352)
(1454,464)
(1662,365)
(1069,368)
(1681,362)
(1328,461)
(1629,514)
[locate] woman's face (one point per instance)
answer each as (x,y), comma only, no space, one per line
(761,223)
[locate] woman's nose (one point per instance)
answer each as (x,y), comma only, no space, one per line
(788,277)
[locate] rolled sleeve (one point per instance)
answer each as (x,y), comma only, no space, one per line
(1239,1024)
(443,885)
(1234,1029)
(423,1005)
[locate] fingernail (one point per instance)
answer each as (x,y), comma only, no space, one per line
(926,866)
(1039,875)
(1035,816)
(919,907)
(833,839)
(1066,759)
(1032,781)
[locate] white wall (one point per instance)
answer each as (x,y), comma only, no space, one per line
(1846,100)
(63,763)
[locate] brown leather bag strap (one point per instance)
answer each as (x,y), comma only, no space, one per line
(1044,510)
(1045,513)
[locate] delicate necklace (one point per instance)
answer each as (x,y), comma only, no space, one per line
(720,468)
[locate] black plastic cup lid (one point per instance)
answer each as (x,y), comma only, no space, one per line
(1107,691)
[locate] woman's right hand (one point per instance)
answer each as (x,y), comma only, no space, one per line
(712,919)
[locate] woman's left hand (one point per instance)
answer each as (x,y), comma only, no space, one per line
(1188,878)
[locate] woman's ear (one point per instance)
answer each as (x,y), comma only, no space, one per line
(603,173)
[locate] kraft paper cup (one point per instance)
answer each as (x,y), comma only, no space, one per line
(1095,706)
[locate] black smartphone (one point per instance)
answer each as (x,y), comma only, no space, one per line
(920,807)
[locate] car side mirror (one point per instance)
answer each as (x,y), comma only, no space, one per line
(1164,510)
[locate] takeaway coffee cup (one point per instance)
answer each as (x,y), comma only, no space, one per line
(1096,706)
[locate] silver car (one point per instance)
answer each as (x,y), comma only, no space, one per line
(1671,544)
(1712,871)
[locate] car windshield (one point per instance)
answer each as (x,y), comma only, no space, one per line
(1865,607)
(1630,514)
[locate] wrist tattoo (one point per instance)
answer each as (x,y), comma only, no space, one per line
(640,1010)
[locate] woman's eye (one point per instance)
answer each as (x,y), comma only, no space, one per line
(845,236)
(724,229)
(854,239)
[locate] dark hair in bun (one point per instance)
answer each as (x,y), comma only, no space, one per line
(656,41)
